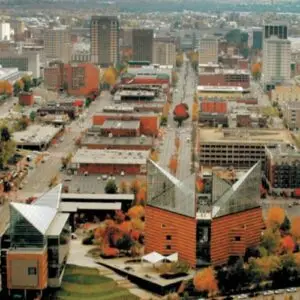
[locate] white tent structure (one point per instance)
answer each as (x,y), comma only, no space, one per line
(155,257)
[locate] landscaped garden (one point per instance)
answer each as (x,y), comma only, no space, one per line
(86,283)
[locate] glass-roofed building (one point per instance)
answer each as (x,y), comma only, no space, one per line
(35,245)
(206,227)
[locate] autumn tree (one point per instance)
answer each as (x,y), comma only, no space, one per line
(154,155)
(110,76)
(195,111)
(271,241)
(7,146)
(173,163)
(135,186)
(205,281)
(177,143)
(295,227)
(123,188)
(179,60)
(174,78)
(181,113)
(287,244)
(136,212)
(275,217)
(256,70)
(141,197)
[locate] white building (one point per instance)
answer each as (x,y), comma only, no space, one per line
(208,50)
(276,60)
(4,31)
(164,53)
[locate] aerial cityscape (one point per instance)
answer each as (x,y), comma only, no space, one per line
(149,150)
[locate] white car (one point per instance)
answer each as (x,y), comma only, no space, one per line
(291,290)
(277,292)
(242,296)
(104,177)
(267,293)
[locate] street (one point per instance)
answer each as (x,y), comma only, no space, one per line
(183,92)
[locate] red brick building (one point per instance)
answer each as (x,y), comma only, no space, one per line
(77,79)
(213,105)
(225,78)
(203,232)
(109,162)
(149,123)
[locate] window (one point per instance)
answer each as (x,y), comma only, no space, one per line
(32,271)
(168,247)
(237,238)
(168,237)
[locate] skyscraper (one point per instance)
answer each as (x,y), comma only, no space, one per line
(208,51)
(279,29)
(105,40)
(164,52)
(57,43)
(142,44)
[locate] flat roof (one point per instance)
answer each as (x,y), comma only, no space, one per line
(100,197)
(226,71)
(118,124)
(100,156)
(244,135)
(57,224)
(217,88)
(75,206)
(35,135)
(136,93)
(122,140)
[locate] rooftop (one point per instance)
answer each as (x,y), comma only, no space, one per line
(244,135)
(217,88)
(35,135)
(226,71)
(293,105)
(136,93)
(99,156)
(283,150)
(116,124)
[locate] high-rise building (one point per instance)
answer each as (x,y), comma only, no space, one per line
(278,29)
(276,60)
(105,33)
(257,38)
(4,31)
(208,51)
(57,44)
(164,52)
(142,44)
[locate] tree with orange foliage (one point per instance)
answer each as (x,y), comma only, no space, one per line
(154,155)
(166,109)
(110,252)
(288,244)
(275,217)
(125,226)
(110,76)
(205,281)
(295,227)
(136,212)
(141,196)
(119,216)
(256,70)
(195,111)
(138,224)
(135,186)
(173,164)
(123,188)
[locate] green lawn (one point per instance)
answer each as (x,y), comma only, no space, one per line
(84,283)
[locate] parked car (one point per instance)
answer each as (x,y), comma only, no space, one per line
(279,292)
(242,296)
(291,290)
(267,293)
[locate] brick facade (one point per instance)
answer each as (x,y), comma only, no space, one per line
(225,79)
(232,234)
(111,169)
(167,232)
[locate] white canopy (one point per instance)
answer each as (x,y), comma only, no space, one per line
(153,257)
(173,257)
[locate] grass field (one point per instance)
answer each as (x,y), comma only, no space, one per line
(81,283)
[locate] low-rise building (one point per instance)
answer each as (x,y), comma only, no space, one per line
(231,93)
(35,246)
(285,93)
(291,114)
(239,148)
(98,161)
(213,105)
(10,74)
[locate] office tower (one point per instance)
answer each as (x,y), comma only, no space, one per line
(276,60)
(208,51)
(57,44)
(104,40)
(4,31)
(278,29)
(142,44)
(164,52)
(257,33)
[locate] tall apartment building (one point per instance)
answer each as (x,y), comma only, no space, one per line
(57,44)
(208,50)
(142,45)
(278,29)
(276,60)
(4,31)
(257,36)
(29,61)
(164,53)
(105,33)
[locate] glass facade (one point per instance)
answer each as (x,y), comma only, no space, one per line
(203,237)
(23,234)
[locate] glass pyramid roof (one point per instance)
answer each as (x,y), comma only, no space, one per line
(50,198)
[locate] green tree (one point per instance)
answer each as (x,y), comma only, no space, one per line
(17,88)
(271,240)
(286,225)
(111,187)
(27,84)
(32,116)
(7,147)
